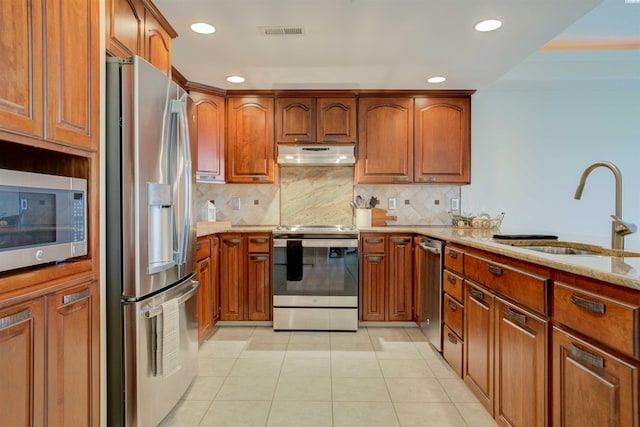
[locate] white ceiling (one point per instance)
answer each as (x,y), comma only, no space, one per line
(378,44)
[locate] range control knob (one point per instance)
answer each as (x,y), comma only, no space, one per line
(39,255)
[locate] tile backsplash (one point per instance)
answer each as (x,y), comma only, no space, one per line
(321,195)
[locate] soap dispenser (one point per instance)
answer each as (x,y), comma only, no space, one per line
(211,210)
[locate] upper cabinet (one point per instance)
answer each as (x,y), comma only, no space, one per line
(136,27)
(60,81)
(250,155)
(385,146)
(207,130)
(442,140)
(323,120)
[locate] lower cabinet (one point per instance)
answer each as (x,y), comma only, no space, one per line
(66,384)
(591,386)
(245,276)
(386,292)
(208,292)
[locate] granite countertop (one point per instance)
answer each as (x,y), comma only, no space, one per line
(620,271)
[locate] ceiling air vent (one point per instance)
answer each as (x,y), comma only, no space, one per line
(283,30)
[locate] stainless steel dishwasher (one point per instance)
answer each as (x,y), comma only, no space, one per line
(430,271)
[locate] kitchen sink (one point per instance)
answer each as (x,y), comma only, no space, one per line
(558,247)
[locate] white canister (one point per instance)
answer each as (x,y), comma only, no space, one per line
(211,210)
(363,217)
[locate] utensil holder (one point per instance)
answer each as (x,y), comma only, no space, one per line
(363,217)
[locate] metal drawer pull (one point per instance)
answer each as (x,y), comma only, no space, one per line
(68,299)
(452,339)
(259,257)
(520,318)
(478,294)
(373,241)
(401,241)
(452,306)
(400,178)
(374,259)
(302,139)
(205,265)
(259,240)
(232,241)
(451,279)
(9,321)
(596,307)
(329,139)
(494,270)
(453,254)
(260,178)
(198,246)
(586,357)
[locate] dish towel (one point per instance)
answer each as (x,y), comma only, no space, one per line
(168,339)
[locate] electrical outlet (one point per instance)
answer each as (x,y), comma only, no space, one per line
(235,203)
(392,203)
(455,205)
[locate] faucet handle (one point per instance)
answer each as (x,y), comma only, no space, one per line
(623,227)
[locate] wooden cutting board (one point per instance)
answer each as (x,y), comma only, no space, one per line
(379,217)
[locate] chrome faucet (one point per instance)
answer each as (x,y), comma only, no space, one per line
(619,228)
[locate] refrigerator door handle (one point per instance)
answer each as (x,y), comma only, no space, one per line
(153,311)
(179,106)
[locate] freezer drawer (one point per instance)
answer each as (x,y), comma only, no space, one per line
(315,319)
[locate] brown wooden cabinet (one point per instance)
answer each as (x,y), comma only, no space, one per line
(442,146)
(386,292)
(592,386)
(250,153)
(207,115)
(66,57)
(323,120)
(245,276)
(22,351)
(157,43)
(73,356)
(205,290)
(385,141)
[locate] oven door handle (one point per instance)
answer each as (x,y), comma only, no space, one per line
(318,243)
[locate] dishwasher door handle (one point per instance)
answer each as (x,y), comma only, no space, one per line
(433,250)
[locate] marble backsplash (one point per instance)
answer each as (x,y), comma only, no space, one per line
(321,195)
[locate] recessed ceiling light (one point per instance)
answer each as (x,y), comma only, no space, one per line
(235,79)
(203,28)
(488,25)
(436,79)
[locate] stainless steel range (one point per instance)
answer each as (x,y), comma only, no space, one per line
(315,278)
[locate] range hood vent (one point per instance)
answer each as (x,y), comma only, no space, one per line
(316,155)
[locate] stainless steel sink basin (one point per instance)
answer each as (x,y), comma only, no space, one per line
(558,247)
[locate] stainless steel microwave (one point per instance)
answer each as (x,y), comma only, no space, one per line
(43,218)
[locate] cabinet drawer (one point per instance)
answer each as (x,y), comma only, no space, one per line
(453,259)
(203,248)
(453,314)
(524,287)
(373,243)
(452,349)
(258,244)
(452,284)
(608,320)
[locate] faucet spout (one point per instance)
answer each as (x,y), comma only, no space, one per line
(617,236)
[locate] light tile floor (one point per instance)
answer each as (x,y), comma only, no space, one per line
(253,376)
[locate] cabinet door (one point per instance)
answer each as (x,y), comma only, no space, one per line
(207,127)
(336,120)
(21,90)
(258,287)
(295,120)
(385,146)
(442,140)
(73,72)
(124,26)
(22,368)
(215,281)
(205,308)
(590,386)
(399,283)
(478,349)
(251,150)
(372,294)
(520,367)
(231,277)
(73,356)
(157,44)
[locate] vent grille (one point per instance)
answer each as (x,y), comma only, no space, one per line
(284,30)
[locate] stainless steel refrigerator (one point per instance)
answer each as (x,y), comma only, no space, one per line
(152,325)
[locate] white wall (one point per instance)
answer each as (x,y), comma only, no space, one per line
(532,138)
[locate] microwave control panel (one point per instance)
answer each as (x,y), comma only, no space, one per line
(77,216)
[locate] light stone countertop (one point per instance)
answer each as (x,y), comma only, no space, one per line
(620,271)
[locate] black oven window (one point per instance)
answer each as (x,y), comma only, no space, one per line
(27,218)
